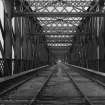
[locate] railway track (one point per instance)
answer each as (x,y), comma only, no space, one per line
(59,85)
(90,98)
(82,95)
(24,92)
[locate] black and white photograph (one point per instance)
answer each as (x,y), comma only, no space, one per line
(52,52)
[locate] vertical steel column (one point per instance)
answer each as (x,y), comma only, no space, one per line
(8,40)
(18,41)
(98,47)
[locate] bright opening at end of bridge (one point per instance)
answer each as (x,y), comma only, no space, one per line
(59,61)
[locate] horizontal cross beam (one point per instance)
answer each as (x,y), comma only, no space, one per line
(59,52)
(57,14)
(59,47)
(58,28)
(57,38)
(59,42)
(58,20)
(49,33)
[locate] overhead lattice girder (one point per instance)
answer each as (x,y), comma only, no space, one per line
(59,19)
(59,31)
(59,48)
(51,28)
(59,44)
(72,33)
(57,14)
(59,36)
(38,5)
(59,41)
(58,28)
(72,22)
(53,38)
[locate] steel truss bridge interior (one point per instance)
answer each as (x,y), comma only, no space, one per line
(60,19)
(62,28)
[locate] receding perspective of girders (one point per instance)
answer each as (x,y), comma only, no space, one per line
(52,42)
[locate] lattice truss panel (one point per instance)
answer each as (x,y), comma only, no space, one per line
(59,24)
(59,5)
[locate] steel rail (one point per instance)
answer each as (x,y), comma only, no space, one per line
(96,81)
(34,99)
(87,101)
(15,86)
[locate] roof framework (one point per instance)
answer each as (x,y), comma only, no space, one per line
(59,24)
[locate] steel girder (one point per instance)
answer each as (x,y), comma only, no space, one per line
(61,48)
(50,33)
(59,41)
(59,38)
(43,5)
(57,14)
